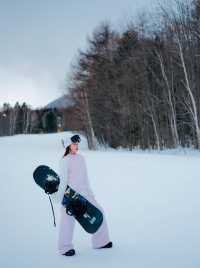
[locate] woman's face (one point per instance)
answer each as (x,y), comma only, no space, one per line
(74,148)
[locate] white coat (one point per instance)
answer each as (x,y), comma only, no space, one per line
(73,172)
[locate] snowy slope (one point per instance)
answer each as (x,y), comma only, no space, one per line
(151,201)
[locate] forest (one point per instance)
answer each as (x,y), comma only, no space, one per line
(140,88)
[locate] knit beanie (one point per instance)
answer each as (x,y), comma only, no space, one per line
(70,140)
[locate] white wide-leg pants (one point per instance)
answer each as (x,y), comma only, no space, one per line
(66,230)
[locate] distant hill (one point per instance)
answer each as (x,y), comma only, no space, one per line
(62,102)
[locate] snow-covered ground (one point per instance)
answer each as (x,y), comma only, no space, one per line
(151,200)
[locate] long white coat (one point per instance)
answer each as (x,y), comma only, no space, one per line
(73,172)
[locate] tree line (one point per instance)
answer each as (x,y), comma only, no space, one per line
(140,87)
(21,119)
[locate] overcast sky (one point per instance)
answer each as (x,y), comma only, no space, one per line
(39,39)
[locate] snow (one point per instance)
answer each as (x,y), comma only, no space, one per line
(151,201)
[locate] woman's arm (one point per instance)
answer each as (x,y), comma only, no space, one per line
(89,189)
(63,175)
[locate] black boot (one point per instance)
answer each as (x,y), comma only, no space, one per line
(70,252)
(108,245)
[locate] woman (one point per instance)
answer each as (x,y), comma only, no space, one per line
(73,172)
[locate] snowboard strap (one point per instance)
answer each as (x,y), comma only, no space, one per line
(52,211)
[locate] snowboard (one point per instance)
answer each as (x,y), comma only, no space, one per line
(46,178)
(89,216)
(76,205)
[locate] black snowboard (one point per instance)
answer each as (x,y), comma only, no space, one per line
(46,178)
(89,216)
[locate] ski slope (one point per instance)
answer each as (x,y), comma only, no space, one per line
(151,201)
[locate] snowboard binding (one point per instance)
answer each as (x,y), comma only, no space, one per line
(75,207)
(50,187)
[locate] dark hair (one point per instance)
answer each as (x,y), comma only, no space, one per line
(67,151)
